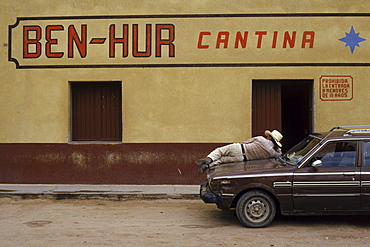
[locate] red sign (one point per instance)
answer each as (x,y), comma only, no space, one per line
(336,88)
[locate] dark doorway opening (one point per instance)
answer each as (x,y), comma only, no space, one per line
(285,105)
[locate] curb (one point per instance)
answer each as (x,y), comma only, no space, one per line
(114,192)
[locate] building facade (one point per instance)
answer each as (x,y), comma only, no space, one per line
(133,92)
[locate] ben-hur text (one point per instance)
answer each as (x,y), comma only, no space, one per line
(38,41)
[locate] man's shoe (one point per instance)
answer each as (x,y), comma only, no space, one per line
(200,162)
(202,169)
(205,161)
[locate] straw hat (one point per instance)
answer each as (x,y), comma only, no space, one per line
(276,135)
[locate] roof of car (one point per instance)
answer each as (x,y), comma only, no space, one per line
(345,131)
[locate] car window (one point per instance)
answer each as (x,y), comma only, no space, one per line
(366,153)
(295,154)
(337,154)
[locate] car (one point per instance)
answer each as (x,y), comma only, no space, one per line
(325,174)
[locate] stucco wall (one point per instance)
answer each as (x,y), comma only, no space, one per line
(35,105)
(202,104)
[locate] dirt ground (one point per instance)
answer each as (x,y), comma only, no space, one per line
(162,222)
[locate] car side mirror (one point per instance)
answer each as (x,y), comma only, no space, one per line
(316,163)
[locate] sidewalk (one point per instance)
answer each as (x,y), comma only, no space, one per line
(83,190)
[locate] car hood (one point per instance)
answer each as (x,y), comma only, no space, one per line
(247,167)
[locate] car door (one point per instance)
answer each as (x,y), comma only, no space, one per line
(333,186)
(365,176)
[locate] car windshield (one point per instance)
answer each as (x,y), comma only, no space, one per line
(295,154)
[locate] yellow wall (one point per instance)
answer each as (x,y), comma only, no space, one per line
(164,104)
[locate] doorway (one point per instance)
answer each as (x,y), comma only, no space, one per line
(285,105)
(96,111)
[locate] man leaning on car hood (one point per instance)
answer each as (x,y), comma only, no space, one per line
(258,147)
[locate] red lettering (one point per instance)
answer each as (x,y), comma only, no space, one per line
(274,40)
(27,41)
(80,43)
(289,39)
(242,40)
(50,41)
(260,34)
(222,38)
(148,41)
(308,38)
(200,40)
(169,41)
(113,40)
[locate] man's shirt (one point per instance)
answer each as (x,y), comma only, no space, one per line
(260,148)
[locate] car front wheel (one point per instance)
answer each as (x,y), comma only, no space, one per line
(256,209)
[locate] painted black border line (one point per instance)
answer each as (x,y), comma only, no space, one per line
(196,16)
(192,65)
(267,15)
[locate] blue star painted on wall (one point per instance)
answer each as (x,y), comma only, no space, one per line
(352,39)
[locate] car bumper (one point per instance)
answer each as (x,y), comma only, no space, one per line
(207,196)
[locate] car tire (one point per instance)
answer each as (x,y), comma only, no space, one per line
(256,209)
